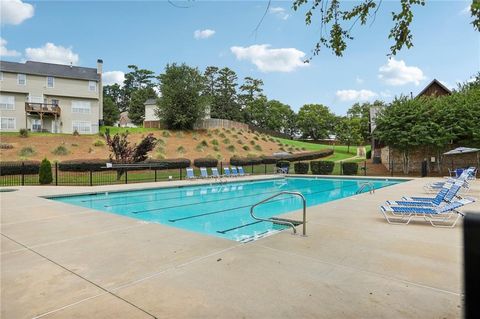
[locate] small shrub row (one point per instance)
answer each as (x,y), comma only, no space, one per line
(16,168)
(349,168)
(6,146)
(301,167)
(308,156)
(241,161)
(322,167)
(205,162)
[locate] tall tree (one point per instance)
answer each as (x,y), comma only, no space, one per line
(362,112)
(250,90)
(136,111)
(110,111)
(348,131)
(117,94)
(135,80)
(315,121)
(224,102)
(182,102)
(278,116)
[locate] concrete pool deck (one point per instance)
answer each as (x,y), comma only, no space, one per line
(63,261)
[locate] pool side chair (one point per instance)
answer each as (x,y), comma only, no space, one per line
(445,195)
(204,173)
(234,171)
(190,173)
(215,173)
(435,186)
(445,216)
(226,172)
(241,172)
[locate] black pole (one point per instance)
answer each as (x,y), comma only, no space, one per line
(56,173)
(364,168)
(91,178)
(180,174)
(155,170)
(23,173)
(252,168)
(221,168)
(126,176)
(341,168)
(265,168)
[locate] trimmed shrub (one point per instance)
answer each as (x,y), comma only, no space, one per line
(216,148)
(246,148)
(98,143)
(369,154)
(60,150)
(252,142)
(214,142)
(226,141)
(166,134)
(240,142)
(349,168)
(222,135)
(84,165)
(6,146)
(23,132)
(257,148)
(269,159)
(322,167)
(75,133)
(301,167)
(16,168)
(45,173)
(308,156)
(27,151)
(181,150)
(205,162)
(240,161)
(231,148)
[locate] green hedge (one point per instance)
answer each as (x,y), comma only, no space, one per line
(16,168)
(170,163)
(369,154)
(205,162)
(269,159)
(84,165)
(307,156)
(322,167)
(240,161)
(349,168)
(301,167)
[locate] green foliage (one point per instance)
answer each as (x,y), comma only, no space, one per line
(166,134)
(322,167)
(161,142)
(369,154)
(221,93)
(349,168)
(60,150)
(231,148)
(246,148)
(181,150)
(315,121)
(23,132)
(111,113)
(205,162)
(301,167)
(226,141)
(45,173)
(27,151)
(179,134)
(216,148)
(5,146)
(222,135)
(348,131)
(252,142)
(181,104)
(257,148)
(214,142)
(136,109)
(240,142)
(98,143)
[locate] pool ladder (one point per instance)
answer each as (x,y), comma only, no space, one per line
(284,221)
(370,185)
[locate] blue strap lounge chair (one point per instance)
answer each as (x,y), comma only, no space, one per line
(215,173)
(440,216)
(226,172)
(190,173)
(241,172)
(203,172)
(445,195)
(464,177)
(234,171)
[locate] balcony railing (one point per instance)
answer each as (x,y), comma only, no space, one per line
(44,108)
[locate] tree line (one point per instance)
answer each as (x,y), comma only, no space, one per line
(187,94)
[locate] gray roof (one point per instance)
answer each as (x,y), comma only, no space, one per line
(50,69)
(150,102)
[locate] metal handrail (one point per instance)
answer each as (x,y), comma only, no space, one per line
(371,186)
(283,222)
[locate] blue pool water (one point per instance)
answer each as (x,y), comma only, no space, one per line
(222,210)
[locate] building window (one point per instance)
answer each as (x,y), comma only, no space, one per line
(55,102)
(81,107)
(21,79)
(36,125)
(7,123)
(7,102)
(92,86)
(50,82)
(84,127)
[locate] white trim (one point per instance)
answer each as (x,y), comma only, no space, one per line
(8,128)
(18,79)
(4,105)
(53,82)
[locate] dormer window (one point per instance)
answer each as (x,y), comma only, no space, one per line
(21,79)
(92,86)
(50,82)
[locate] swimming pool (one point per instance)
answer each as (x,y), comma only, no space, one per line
(223,209)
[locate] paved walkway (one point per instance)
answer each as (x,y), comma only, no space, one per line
(62,261)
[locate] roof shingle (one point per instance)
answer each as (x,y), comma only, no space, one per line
(50,69)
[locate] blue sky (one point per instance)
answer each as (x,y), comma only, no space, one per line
(152,34)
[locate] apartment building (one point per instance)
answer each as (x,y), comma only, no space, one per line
(46,97)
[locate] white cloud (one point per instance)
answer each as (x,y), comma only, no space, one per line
(15,11)
(52,53)
(203,34)
(355,95)
(271,60)
(4,51)
(279,12)
(112,77)
(465,10)
(386,94)
(396,72)
(359,80)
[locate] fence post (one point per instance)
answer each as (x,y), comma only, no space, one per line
(391,166)
(23,173)
(341,168)
(155,170)
(180,173)
(56,173)
(221,168)
(252,168)
(126,176)
(91,178)
(265,164)
(364,168)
